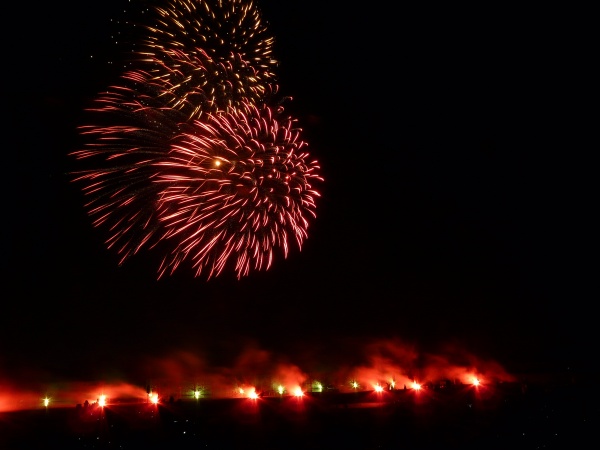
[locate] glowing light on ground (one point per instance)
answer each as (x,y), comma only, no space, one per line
(290,382)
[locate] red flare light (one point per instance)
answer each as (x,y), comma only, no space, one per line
(298,392)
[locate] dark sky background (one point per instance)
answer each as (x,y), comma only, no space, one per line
(457,203)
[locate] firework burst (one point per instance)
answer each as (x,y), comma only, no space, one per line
(236,188)
(232,189)
(189,152)
(209,55)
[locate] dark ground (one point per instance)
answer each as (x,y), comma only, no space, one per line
(504,416)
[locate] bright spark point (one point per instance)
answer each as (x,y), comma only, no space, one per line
(298,392)
(46,402)
(378,388)
(102,400)
(416,386)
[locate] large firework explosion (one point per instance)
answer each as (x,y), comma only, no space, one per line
(209,55)
(238,185)
(191,152)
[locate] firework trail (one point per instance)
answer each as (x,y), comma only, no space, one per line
(209,55)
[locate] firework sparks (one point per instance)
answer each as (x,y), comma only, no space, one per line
(194,156)
(209,55)
(197,84)
(121,159)
(236,186)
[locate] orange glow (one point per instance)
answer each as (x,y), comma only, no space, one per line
(173,373)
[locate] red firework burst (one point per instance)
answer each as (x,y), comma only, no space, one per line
(232,189)
(193,157)
(236,188)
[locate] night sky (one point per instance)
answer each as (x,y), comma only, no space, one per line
(456,208)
